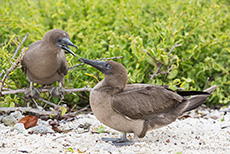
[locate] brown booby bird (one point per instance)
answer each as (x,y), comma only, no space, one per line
(45,62)
(136,108)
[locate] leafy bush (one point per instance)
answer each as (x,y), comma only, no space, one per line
(133,29)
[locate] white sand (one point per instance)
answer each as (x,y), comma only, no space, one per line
(201,133)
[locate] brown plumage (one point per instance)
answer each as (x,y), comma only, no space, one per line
(45,62)
(136,108)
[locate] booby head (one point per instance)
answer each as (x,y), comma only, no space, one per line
(60,39)
(115,73)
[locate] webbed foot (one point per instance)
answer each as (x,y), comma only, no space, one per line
(118,141)
(123,141)
(57,91)
(32,92)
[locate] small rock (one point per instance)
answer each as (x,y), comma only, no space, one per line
(42,122)
(23,151)
(41,129)
(1,117)
(84,126)
(9,120)
(17,115)
(19,127)
(53,122)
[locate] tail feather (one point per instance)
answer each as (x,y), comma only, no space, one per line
(188,93)
(197,100)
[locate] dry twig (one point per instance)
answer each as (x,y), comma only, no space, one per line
(15,63)
(79,111)
(11,68)
(161,64)
(3,71)
(48,102)
(28,109)
(20,44)
(45,90)
(9,91)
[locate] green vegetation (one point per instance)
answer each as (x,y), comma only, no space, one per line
(128,28)
(101,129)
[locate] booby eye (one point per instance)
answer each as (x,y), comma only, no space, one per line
(107,66)
(59,40)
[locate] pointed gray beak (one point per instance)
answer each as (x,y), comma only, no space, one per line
(64,43)
(102,66)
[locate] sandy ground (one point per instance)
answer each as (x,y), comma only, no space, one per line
(204,131)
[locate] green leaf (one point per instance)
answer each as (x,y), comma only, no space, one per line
(173,87)
(217,67)
(8,98)
(140,78)
(165,59)
(176,81)
(12,104)
(222,119)
(184,85)
(228,82)
(101,129)
(70,149)
(63,111)
(172,74)
(189,80)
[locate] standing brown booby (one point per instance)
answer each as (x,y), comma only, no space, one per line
(136,108)
(45,62)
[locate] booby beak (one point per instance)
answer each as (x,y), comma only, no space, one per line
(64,43)
(102,66)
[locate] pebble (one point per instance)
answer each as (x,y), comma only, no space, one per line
(42,122)
(17,115)
(1,118)
(19,127)
(42,129)
(9,120)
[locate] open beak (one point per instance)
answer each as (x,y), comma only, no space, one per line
(100,65)
(64,43)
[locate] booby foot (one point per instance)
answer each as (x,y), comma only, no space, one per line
(119,141)
(57,91)
(32,92)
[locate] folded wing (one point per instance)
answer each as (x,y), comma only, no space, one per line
(139,101)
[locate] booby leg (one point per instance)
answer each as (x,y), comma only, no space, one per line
(123,141)
(57,91)
(32,92)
